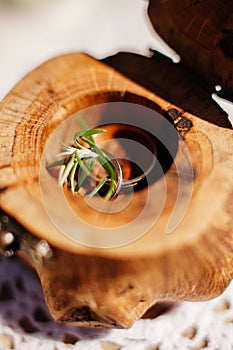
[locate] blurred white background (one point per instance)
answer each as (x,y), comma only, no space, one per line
(31,31)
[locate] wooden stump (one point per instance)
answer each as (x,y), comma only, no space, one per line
(113,287)
(202,33)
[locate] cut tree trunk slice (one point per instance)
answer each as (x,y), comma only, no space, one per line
(113,287)
(202,33)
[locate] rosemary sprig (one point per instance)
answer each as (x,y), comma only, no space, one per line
(98,187)
(79,156)
(107,166)
(83,176)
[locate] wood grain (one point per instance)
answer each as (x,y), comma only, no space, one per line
(114,287)
(202,33)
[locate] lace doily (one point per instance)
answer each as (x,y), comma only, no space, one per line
(25,322)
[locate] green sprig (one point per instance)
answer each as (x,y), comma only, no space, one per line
(85,158)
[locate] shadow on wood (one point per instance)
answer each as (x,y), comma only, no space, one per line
(173,82)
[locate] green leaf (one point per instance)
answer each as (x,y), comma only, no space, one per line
(104,161)
(106,164)
(57,163)
(67,170)
(82,164)
(72,174)
(98,187)
(84,125)
(88,133)
(83,176)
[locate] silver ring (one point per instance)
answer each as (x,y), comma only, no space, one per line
(118,169)
(122,183)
